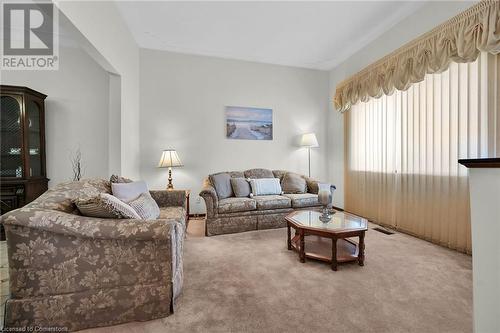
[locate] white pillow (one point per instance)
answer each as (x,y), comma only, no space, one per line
(127,192)
(146,207)
(265,186)
(120,207)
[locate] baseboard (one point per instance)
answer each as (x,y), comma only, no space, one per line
(203,215)
(338,208)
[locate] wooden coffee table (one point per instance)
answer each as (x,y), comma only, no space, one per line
(338,229)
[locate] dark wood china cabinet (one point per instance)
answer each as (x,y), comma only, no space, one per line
(23,175)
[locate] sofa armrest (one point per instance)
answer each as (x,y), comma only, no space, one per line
(209,194)
(168,198)
(89,227)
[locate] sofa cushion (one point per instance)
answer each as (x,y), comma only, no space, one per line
(265,186)
(222,183)
(259,173)
(241,187)
(265,202)
(293,183)
(177,213)
(232,205)
(303,200)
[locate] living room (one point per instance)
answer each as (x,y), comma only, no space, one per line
(250,166)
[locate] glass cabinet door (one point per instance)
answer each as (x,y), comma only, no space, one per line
(11,161)
(34,139)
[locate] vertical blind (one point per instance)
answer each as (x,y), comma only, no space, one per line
(402,151)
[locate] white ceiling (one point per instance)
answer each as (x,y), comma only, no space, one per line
(317,35)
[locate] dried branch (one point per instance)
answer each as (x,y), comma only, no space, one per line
(76,164)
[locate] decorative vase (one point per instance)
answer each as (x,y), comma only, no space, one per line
(325,198)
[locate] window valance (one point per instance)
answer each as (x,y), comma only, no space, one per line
(459,39)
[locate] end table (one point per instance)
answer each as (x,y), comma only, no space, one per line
(188,193)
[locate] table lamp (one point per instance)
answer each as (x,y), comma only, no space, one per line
(169,159)
(309,140)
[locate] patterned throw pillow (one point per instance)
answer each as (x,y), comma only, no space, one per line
(293,183)
(105,205)
(146,207)
(266,186)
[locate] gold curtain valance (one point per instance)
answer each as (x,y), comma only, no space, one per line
(460,39)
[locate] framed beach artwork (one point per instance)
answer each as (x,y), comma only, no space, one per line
(245,123)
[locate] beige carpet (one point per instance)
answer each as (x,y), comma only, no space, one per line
(250,282)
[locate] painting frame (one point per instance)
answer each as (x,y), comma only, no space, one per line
(249,123)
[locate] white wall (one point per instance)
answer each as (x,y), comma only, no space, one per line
(484,194)
(114,128)
(426,18)
(182,107)
(76,112)
(103,26)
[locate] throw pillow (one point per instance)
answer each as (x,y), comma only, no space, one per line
(119,179)
(265,186)
(222,184)
(129,191)
(312,186)
(293,183)
(241,187)
(105,205)
(146,207)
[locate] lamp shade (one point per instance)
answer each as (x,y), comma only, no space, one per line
(309,140)
(169,158)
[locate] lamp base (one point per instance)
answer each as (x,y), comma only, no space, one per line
(170,186)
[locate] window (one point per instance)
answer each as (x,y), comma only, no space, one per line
(402,151)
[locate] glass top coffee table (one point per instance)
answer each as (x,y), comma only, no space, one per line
(341,227)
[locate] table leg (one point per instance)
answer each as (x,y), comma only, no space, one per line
(334,254)
(361,254)
(302,251)
(187,210)
(289,236)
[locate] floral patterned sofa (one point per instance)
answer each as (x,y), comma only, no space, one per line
(76,272)
(237,214)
